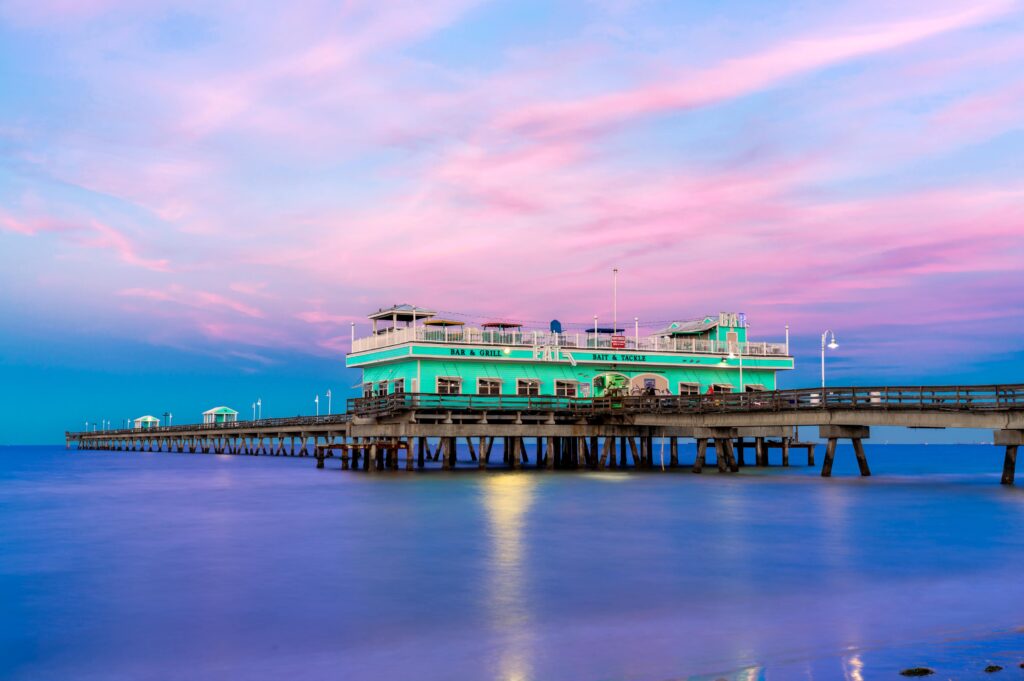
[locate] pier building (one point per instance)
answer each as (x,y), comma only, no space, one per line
(411,350)
(146,422)
(220,415)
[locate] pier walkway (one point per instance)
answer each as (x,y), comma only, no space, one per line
(594,433)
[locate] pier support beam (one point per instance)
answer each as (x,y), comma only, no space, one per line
(724,457)
(1011,439)
(854,433)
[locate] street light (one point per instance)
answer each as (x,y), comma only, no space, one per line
(317,401)
(328,401)
(253,411)
(832,345)
(259,406)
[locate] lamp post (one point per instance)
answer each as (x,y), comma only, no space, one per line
(170,418)
(636,331)
(328,401)
(832,345)
(316,400)
(259,407)
(253,411)
(733,355)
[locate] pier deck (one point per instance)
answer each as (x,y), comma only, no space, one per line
(595,433)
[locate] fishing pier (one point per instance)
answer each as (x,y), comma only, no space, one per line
(412,431)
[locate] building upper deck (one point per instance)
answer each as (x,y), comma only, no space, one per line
(584,340)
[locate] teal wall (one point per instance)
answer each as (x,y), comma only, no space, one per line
(428,370)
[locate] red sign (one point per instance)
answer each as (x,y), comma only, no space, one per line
(618,342)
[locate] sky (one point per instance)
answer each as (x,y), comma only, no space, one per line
(197,199)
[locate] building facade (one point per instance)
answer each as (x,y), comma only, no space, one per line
(411,350)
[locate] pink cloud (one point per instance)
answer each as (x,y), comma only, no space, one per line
(90,233)
(205,300)
(105,236)
(744,75)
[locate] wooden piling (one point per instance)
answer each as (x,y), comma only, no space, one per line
(830,455)
(702,450)
(1009,464)
(862,459)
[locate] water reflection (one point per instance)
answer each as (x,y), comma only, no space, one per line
(507,498)
(852,667)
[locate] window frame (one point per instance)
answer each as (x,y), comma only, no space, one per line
(457,380)
(495,382)
(693,387)
(562,383)
(532,382)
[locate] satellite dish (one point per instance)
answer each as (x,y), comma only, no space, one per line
(556,326)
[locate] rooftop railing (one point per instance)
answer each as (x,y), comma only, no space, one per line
(570,341)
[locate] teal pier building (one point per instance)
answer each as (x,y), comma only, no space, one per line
(412,350)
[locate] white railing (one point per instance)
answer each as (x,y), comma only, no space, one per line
(580,340)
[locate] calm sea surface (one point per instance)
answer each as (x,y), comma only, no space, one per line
(174,566)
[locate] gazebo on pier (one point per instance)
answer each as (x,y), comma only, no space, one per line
(220,415)
(146,422)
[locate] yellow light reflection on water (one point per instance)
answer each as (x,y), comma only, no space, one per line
(506,499)
(852,668)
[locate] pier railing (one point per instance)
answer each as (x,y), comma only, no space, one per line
(289,422)
(975,398)
(570,341)
(918,398)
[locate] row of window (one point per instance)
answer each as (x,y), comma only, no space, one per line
(526,387)
(380,388)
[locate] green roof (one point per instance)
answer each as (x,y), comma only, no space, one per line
(220,410)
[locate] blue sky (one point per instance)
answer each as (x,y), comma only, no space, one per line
(196,200)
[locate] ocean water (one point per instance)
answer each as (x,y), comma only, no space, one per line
(175,566)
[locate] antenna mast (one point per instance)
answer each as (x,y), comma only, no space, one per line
(615,300)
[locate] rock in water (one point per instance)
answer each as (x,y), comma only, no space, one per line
(917,671)
(993,668)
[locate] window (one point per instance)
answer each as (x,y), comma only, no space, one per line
(689,388)
(399,385)
(367,389)
(565,388)
(447,385)
(488,386)
(382,388)
(753,388)
(528,386)
(721,387)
